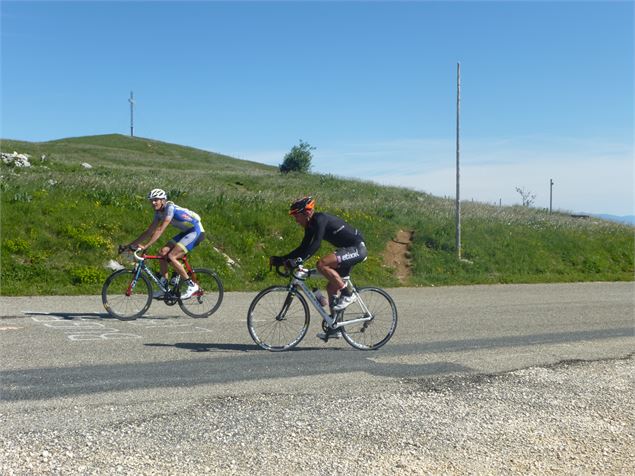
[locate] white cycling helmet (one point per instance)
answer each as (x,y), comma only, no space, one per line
(157,193)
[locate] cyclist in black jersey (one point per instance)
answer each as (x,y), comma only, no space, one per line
(349,243)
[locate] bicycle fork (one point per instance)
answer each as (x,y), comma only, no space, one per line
(285,307)
(133,283)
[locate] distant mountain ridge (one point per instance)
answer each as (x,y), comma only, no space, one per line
(628,219)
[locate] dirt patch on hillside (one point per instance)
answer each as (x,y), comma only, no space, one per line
(397,255)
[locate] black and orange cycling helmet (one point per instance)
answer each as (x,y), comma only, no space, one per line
(302,205)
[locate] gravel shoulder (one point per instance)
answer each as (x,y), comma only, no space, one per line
(570,418)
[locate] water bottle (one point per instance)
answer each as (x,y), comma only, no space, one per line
(175,279)
(320,297)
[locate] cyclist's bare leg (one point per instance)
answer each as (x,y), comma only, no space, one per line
(163,262)
(174,256)
(328,268)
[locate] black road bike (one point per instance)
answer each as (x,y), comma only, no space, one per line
(127,293)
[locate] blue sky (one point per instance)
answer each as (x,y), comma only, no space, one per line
(546,87)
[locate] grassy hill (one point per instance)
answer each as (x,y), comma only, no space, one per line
(61,222)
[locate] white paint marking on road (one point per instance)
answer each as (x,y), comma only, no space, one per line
(155,324)
(81,329)
(196,330)
(106,336)
(87,329)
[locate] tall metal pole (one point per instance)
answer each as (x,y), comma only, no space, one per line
(458,175)
(131,100)
(550,195)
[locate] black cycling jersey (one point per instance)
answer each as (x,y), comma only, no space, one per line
(323,226)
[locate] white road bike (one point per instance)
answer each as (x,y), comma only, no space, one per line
(278,317)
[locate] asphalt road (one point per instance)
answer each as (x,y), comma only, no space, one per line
(55,347)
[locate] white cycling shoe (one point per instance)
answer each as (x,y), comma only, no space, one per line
(191,289)
(344,302)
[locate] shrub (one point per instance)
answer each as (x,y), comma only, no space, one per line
(86,275)
(298,159)
(17,245)
(85,240)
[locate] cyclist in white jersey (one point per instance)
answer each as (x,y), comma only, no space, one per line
(192,233)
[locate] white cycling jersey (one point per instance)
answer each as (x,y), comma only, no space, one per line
(180,217)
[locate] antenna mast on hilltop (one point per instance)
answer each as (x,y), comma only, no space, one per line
(458,175)
(131,101)
(550,195)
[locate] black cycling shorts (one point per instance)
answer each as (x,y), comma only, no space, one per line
(349,257)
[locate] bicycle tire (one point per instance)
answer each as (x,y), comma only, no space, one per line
(207,299)
(370,335)
(117,301)
(271,326)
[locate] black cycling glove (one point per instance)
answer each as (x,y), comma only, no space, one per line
(291,263)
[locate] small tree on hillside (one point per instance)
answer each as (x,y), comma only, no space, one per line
(298,159)
(527,196)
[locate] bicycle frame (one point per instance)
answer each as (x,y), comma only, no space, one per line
(299,277)
(141,266)
(129,292)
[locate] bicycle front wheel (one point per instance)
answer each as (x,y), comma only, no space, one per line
(375,332)
(124,299)
(278,319)
(209,296)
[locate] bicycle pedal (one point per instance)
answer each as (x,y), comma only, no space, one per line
(325,336)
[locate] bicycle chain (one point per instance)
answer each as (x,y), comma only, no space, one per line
(171,299)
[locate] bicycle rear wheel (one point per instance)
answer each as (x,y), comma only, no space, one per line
(372,334)
(123,300)
(207,299)
(278,319)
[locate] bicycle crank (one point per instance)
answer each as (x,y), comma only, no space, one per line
(171,299)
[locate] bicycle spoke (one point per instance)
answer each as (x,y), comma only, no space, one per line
(378,307)
(276,320)
(207,299)
(123,300)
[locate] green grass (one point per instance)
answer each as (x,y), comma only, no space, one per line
(60,222)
